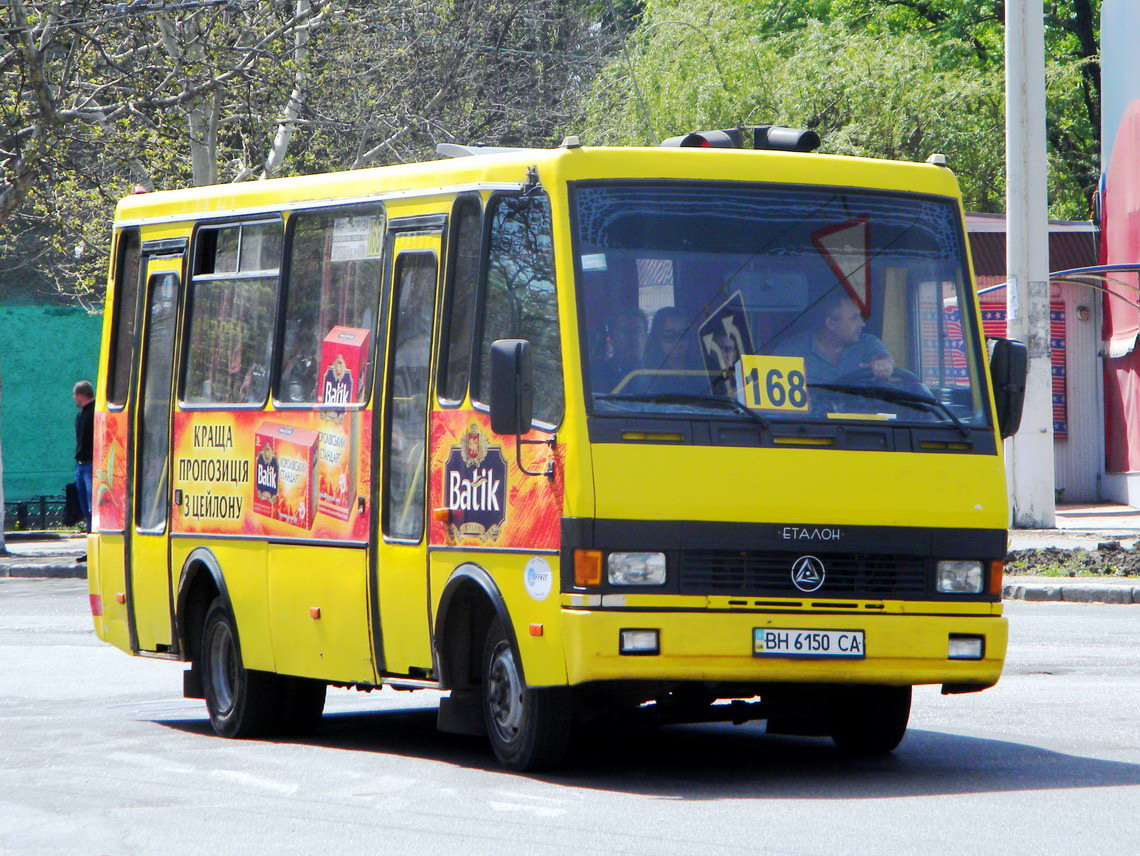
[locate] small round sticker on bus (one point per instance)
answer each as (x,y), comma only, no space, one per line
(538,578)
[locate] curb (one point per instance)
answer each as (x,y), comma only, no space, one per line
(72,570)
(1071,593)
(18,535)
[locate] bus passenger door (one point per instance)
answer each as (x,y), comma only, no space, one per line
(401,570)
(148,560)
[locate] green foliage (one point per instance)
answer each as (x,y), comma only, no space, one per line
(1108,559)
(189,95)
(880,78)
(175,96)
(703,64)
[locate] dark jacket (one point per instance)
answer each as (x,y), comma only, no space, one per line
(85,433)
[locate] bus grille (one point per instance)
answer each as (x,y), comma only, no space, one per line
(754,573)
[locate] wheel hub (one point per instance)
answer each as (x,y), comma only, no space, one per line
(504,693)
(222,667)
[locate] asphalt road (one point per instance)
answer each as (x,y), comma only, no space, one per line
(99,754)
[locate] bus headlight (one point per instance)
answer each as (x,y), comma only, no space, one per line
(636,569)
(958,577)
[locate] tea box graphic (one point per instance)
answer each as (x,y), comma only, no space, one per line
(344,358)
(264,475)
(285,457)
(337,463)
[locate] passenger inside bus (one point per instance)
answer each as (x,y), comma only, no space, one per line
(627,330)
(299,378)
(671,345)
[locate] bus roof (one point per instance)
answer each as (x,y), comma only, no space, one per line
(507,169)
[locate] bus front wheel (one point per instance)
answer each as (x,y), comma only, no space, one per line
(869,720)
(241,702)
(529,728)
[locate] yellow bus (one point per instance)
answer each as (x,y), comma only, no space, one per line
(569,433)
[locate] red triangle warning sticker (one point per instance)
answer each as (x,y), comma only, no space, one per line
(846,248)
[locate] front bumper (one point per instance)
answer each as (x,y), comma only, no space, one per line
(901,649)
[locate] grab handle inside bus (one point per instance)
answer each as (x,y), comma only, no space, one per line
(512,387)
(1009,365)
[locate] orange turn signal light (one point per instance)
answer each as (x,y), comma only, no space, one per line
(314,612)
(441,515)
(587,567)
(997,568)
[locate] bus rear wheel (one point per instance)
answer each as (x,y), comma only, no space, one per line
(241,702)
(529,728)
(869,720)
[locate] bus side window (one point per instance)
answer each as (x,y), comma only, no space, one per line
(332,290)
(233,310)
(519,299)
(464,252)
(127,273)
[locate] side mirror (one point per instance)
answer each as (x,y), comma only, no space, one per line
(1009,365)
(512,386)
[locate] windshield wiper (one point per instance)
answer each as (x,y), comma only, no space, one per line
(687,398)
(898,396)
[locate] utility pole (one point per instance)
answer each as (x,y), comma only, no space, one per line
(1029,453)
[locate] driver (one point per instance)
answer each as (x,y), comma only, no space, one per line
(838,346)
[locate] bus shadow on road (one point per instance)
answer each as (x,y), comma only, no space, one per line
(719,761)
(724,761)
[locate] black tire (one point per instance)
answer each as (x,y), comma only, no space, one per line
(869,720)
(241,702)
(529,728)
(304,704)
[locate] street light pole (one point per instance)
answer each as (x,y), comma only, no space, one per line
(1029,454)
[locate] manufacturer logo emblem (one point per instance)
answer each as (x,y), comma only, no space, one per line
(538,578)
(808,573)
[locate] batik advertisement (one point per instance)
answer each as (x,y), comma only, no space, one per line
(479,496)
(109,472)
(285,474)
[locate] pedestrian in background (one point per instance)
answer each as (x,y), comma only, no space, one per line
(84,395)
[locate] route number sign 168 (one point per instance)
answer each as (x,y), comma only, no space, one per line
(772,383)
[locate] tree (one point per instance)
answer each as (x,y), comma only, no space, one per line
(179,92)
(703,64)
(108,96)
(1072,47)
(887,78)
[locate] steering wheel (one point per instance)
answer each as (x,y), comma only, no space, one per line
(900,379)
(865,376)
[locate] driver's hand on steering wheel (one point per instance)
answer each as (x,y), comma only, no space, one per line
(882,367)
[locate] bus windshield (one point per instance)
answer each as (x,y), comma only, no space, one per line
(783,302)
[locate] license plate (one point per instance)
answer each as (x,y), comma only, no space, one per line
(792,642)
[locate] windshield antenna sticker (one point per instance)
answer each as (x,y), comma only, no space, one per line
(846,248)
